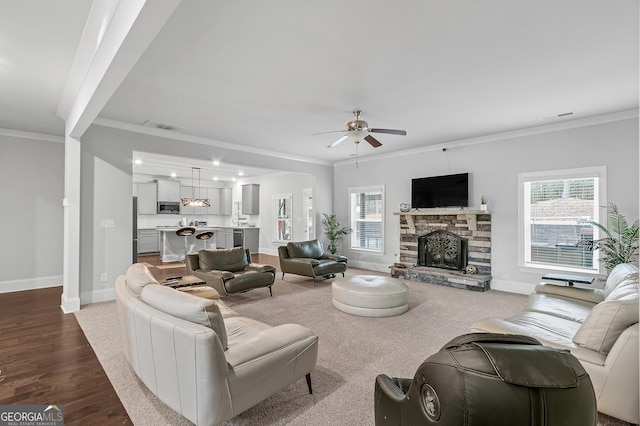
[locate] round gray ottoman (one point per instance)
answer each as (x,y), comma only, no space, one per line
(370,296)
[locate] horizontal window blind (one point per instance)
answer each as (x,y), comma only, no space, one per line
(367,211)
(555,211)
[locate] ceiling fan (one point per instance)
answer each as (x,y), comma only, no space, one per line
(359,129)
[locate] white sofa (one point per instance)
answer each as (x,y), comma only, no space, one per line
(200,357)
(599,327)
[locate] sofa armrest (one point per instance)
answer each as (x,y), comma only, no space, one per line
(260,268)
(586,294)
(334,257)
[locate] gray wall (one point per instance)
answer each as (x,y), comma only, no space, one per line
(494,168)
(31,182)
(32,176)
(107,194)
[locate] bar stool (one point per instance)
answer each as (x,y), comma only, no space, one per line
(205,236)
(186,232)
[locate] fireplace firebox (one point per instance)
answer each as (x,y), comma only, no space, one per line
(442,249)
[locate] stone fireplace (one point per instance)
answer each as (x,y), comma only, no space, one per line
(442,249)
(437,245)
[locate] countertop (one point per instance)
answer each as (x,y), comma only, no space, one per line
(175,228)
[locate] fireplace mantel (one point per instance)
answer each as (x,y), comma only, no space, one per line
(438,212)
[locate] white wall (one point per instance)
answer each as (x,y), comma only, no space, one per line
(31,182)
(107,194)
(282,183)
(494,168)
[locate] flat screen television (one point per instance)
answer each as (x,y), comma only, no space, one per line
(440,191)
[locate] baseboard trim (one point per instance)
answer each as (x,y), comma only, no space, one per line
(97,296)
(512,286)
(30,284)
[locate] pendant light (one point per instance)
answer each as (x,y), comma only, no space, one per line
(193,201)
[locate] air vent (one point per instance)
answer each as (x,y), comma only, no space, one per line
(162,126)
(555,117)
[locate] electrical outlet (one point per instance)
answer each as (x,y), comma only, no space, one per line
(103,277)
(107,223)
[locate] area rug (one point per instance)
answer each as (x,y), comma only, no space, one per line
(353,350)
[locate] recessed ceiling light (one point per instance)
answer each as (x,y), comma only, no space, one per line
(234,179)
(138,161)
(215,178)
(216,163)
(173,175)
(240,173)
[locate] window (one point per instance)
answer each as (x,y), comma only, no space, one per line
(367,211)
(553,208)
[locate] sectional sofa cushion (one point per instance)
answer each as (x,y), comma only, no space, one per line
(606,322)
(187,307)
(232,260)
(138,276)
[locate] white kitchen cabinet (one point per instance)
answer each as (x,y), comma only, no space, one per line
(168,191)
(251,199)
(148,241)
(251,239)
(147,201)
(214,201)
(226,203)
(224,238)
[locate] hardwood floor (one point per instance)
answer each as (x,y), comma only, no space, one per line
(45,358)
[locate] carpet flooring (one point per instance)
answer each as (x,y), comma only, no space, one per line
(353,350)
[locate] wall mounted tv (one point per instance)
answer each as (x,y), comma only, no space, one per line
(440,191)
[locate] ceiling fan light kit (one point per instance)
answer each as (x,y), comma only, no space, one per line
(359,130)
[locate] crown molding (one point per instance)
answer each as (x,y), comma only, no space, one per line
(572,124)
(31,135)
(105,122)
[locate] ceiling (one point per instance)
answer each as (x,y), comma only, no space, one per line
(268,75)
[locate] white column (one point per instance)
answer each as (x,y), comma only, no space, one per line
(70,301)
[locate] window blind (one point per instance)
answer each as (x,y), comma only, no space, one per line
(555,211)
(367,207)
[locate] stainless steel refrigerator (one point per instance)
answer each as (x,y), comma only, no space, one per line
(135,230)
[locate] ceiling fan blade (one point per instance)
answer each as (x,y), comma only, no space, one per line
(373,141)
(389,131)
(331,145)
(332,131)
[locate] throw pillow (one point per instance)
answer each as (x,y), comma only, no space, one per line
(138,276)
(187,307)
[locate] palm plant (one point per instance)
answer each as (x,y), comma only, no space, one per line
(620,243)
(334,231)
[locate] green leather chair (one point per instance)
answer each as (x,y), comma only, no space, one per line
(309,259)
(230,270)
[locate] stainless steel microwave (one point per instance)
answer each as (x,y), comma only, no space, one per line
(168,207)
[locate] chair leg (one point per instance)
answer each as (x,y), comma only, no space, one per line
(270,292)
(343,275)
(283,275)
(308,377)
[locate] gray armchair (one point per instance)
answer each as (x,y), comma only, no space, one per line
(230,270)
(309,259)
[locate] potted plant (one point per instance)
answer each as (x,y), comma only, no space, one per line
(620,241)
(334,231)
(483,202)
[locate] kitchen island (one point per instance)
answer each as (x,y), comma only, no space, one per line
(172,245)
